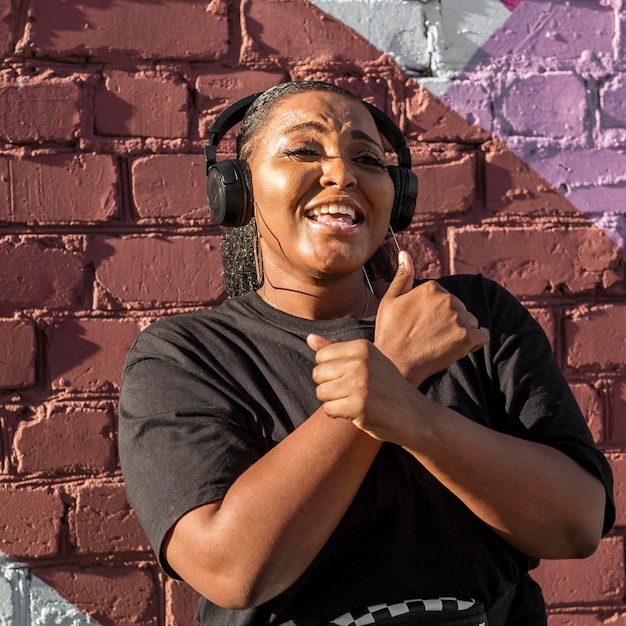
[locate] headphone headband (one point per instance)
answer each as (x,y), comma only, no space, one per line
(224,122)
(229,188)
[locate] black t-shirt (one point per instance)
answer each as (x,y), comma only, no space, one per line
(206,394)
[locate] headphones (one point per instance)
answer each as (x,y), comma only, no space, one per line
(229,189)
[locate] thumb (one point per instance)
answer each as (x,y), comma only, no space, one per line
(405,275)
(317,342)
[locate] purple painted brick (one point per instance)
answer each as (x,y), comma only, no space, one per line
(613,103)
(563,30)
(471,101)
(579,168)
(551,105)
(622,38)
(600,199)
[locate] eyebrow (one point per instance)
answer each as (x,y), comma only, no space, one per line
(359,134)
(317,127)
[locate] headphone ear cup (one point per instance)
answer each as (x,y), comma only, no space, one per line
(229,193)
(405,198)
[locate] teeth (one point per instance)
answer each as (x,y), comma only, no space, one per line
(333,209)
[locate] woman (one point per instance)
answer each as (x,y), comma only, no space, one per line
(314,447)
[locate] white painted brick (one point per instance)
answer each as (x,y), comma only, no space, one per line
(6,602)
(464,26)
(48,608)
(436,37)
(13,593)
(395,26)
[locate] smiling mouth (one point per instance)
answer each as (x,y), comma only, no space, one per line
(334,215)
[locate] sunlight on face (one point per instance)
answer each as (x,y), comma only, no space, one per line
(322,193)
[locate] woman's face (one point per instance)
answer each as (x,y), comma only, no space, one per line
(322,192)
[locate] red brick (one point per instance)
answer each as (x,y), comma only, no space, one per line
(39,110)
(170,185)
(447,184)
(590,618)
(376,85)
(225,86)
(89,354)
(514,187)
(155,271)
(428,119)
(68,440)
(600,578)
(62,188)
(112,596)
(590,404)
(104,521)
(318,36)
(35,276)
(580,260)
(5,187)
(595,337)
(7,418)
(617,403)
(183,30)
(17,354)
(618,465)
(424,254)
(180,603)
(30,522)
(546,320)
(144,105)
(7,23)
(220,88)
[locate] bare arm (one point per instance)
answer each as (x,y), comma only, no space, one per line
(534,496)
(276,517)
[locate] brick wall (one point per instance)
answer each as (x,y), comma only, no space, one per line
(104,111)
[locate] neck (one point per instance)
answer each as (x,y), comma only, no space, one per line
(321,300)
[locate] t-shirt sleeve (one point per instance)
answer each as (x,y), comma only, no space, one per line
(183,434)
(539,403)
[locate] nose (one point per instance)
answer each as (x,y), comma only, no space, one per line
(337,172)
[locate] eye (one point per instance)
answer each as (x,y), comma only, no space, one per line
(301,153)
(369,158)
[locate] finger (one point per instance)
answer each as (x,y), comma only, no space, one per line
(317,342)
(480,338)
(327,371)
(340,360)
(467,319)
(405,275)
(330,391)
(457,303)
(343,408)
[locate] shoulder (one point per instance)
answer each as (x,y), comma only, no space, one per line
(191,332)
(478,292)
(495,307)
(475,286)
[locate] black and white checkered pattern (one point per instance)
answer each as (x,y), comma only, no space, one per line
(376,612)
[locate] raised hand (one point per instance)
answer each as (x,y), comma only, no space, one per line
(355,381)
(424,329)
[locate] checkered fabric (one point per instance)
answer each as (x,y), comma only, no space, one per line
(377,612)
